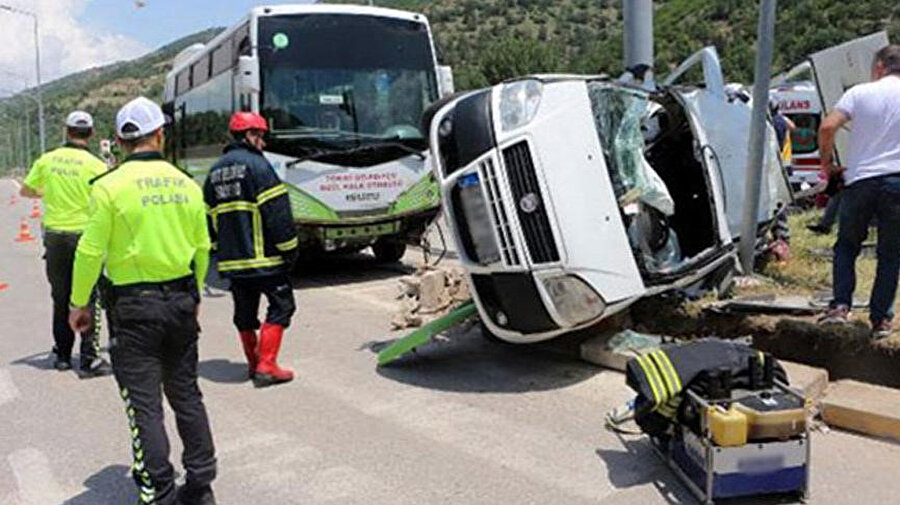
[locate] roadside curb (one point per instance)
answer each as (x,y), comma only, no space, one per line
(863,408)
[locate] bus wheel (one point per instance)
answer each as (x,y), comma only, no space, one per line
(388,251)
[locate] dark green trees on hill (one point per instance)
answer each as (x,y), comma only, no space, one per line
(487,41)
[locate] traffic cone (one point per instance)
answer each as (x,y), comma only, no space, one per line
(3,286)
(24,232)
(35,211)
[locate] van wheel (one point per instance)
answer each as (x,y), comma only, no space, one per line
(489,336)
(388,251)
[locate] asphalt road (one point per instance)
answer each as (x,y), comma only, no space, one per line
(464,421)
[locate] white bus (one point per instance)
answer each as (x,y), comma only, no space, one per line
(343,89)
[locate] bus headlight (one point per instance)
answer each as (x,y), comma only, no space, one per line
(574,300)
(519,102)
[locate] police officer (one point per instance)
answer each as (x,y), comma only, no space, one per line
(62,177)
(256,244)
(148,226)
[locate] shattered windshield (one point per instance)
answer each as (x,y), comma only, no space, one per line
(620,115)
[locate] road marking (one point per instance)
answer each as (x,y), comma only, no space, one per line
(503,442)
(375,301)
(34,478)
(8,389)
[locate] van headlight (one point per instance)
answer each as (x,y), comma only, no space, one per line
(574,300)
(519,102)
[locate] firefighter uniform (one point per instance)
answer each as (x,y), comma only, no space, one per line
(256,245)
(148,227)
(62,176)
(661,377)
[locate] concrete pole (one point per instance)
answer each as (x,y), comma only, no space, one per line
(40,99)
(639,35)
(27,138)
(753,177)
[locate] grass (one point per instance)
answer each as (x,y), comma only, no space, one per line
(809,269)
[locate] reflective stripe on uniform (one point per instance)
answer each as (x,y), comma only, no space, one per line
(671,367)
(234,207)
(226,266)
(652,378)
(271,193)
(259,246)
(669,383)
(287,246)
(669,370)
(138,467)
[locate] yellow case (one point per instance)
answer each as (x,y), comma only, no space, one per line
(727,428)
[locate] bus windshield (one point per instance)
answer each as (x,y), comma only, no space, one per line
(345,78)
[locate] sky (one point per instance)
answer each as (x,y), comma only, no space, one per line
(79,34)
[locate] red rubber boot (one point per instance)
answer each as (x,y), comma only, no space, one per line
(249,341)
(268,373)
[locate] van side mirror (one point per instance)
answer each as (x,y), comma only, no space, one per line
(446,86)
(247,81)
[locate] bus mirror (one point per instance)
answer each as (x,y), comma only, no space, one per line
(248,75)
(446,85)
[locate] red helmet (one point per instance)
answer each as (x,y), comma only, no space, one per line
(243,121)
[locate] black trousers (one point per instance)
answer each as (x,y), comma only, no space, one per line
(153,345)
(59,258)
(247,292)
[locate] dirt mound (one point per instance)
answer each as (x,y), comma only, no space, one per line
(845,351)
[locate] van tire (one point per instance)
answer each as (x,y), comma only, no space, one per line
(489,336)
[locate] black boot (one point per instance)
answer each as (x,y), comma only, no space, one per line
(61,363)
(195,496)
(94,367)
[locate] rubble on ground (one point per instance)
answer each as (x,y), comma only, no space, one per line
(428,294)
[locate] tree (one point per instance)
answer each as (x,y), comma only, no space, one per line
(510,57)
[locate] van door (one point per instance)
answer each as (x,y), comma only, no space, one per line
(722,129)
(839,68)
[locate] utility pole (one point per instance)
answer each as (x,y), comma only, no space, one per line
(639,39)
(753,176)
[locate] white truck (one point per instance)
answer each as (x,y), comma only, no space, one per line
(571,197)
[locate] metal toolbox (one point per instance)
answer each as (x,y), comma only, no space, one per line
(756,468)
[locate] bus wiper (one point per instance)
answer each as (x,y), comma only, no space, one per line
(394,143)
(321,153)
(314,155)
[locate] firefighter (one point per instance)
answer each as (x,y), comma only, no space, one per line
(62,178)
(147,226)
(255,242)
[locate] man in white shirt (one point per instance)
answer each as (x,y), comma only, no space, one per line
(872,178)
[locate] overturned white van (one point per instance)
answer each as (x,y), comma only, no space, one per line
(571,197)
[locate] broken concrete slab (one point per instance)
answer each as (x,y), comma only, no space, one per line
(613,349)
(769,304)
(811,381)
(433,295)
(863,408)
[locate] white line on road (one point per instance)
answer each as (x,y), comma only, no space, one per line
(375,301)
(35,478)
(8,389)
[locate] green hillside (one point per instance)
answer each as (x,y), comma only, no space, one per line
(490,40)
(485,39)
(100,91)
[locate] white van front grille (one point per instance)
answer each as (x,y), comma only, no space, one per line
(498,213)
